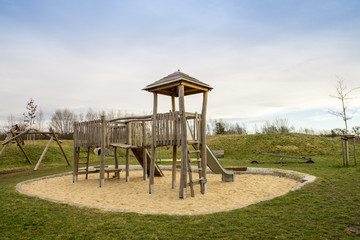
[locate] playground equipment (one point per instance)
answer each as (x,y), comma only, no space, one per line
(176,128)
(16,134)
(308,160)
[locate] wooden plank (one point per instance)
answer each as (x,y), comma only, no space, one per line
(144,150)
(103,151)
(128,152)
(173,172)
(167,126)
(75,168)
(43,154)
(178,129)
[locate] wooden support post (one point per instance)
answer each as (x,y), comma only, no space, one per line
(75,158)
(128,141)
(343,151)
(23,150)
(43,154)
(116,161)
(183,177)
(144,150)
(174,146)
(153,145)
(2,149)
(203,142)
(354,150)
(347,152)
(61,148)
(103,151)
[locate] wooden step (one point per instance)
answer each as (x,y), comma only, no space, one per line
(194,151)
(190,142)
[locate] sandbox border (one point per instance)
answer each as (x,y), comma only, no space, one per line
(303,178)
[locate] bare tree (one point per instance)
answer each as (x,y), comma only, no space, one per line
(29,117)
(91,115)
(62,121)
(356,130)
(343,95)
(276,126)
(40,119)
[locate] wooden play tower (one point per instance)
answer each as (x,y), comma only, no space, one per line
(180,85)
(176,129)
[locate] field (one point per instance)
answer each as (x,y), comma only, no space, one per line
(326,209)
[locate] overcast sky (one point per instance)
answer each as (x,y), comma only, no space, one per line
(264,59)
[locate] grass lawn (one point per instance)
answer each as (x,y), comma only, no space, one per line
(329,208)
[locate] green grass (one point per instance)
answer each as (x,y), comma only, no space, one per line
(326,209)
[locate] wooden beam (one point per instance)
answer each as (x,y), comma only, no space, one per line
(15,136)
(43,154)
(194,86)
(162,87)
(183,177)
(2,149)
(203,142)
(153,145)
(146,117)
(61,148)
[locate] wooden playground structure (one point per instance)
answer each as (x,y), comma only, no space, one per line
(176,129)
(16,134)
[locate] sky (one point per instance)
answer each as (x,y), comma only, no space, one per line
(265,59)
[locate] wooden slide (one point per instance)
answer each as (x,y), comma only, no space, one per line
(138,152)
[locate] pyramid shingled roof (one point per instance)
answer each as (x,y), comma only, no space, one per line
(168,84)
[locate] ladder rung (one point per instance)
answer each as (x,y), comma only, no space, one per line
(193,141)
(197,181)
(196,151)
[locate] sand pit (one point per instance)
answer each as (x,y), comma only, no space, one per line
(133,196)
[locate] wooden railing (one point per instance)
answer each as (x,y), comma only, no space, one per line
(131,130)
(87,134)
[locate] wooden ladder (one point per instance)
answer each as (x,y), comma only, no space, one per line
(87,157)
(197,159)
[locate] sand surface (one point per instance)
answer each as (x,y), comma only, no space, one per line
(134,196)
